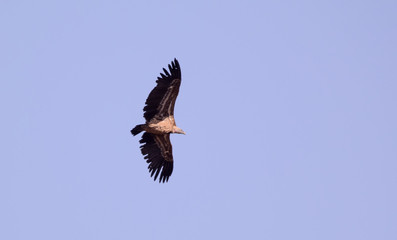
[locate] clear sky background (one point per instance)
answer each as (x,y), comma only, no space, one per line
(290,110)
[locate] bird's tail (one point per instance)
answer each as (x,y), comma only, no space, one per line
(137,129)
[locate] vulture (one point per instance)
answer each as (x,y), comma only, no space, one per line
(160,123)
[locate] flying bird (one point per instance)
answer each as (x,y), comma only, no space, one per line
(160,123)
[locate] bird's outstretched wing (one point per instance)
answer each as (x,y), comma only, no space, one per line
(161,100)
(157,149)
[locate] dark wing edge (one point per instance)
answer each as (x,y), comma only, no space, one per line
(157,149)
(162,94)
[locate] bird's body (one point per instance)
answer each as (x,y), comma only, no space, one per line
(160,123)
(160,126)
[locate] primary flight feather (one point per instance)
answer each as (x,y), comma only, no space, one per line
(160,123)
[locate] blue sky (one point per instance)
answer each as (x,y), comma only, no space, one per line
(289,109)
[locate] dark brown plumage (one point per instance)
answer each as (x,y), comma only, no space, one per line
(160,123)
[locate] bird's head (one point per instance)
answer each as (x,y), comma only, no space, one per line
(178,130)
